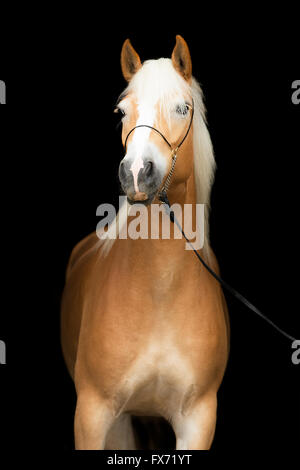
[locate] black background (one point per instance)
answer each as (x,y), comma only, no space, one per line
(60,161)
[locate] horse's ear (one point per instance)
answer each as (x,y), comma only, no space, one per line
(181,58)
(130,60)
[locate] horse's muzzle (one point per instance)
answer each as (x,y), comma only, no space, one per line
(146,185)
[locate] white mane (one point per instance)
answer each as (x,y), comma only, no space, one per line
(158,82)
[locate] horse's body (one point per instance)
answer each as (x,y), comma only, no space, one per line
(145,332)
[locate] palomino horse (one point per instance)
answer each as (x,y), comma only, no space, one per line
(144,326)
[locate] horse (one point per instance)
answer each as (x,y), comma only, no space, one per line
(144,327)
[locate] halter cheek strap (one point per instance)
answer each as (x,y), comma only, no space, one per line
(174,151)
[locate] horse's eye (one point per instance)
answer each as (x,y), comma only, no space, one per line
(120,112)
(182,109)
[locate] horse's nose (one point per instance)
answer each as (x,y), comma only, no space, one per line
(127,172)
(138,178)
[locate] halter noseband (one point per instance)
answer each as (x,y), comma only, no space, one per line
(164,189)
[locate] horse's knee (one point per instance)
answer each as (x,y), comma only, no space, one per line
(195,430)
(93,419)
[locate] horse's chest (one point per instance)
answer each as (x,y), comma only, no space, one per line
(159,381)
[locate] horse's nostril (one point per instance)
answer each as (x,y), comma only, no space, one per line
(122,173)
(148,168)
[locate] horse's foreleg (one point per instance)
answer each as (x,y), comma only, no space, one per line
(120,435)
(196,428)
(93,419)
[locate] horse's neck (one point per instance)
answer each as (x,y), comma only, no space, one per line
(162,258)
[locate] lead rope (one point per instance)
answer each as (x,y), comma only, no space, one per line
(164,199)
(162,196)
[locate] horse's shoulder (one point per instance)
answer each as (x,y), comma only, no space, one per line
(214,265)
